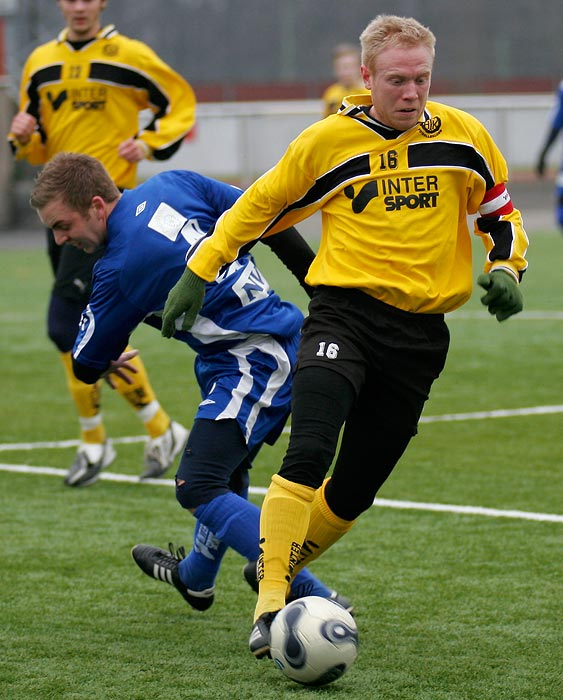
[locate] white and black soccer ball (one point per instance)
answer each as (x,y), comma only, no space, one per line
(313,640)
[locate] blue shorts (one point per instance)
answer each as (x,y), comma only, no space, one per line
(246,401)
(250,383)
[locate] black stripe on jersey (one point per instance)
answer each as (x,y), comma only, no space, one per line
(49,74)
(165,153)
(385,132)
(355,167)
(501,234)
(445,153)
(359,112)
(127,77)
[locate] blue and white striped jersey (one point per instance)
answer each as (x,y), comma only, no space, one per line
(150,233)
(245,336)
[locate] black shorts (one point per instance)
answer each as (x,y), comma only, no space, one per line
(367,366)
(391,354)
(215,461)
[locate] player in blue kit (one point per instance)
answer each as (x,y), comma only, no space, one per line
(245,338)
(555,126)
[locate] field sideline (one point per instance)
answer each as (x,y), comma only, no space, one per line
(379,502)
(455,574)
(260,490)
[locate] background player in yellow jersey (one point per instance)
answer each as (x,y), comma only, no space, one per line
(395,176)
(346,68)
(84,92)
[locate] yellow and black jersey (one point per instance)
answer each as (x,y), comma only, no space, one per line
(88,100)
(334,95)
(394,207)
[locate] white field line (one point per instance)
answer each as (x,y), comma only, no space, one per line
(379,502)
(446,417)
(499,413)
(59,444)
(259,490)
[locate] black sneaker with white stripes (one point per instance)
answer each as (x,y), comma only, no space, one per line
(163,566)
(259,641)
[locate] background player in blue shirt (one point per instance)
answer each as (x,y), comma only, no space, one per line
(245,338)
(555,127)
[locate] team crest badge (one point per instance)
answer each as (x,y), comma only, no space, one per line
(431,127)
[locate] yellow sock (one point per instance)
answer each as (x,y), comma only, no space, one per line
(325,528)
(141,397)
(283,523)
(86,398)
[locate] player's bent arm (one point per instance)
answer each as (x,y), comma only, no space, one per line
(294,252)
(32,145)
(501,228)
(33,151)
(121,368)
(22,128)
(173,105)
(506,243)
(254,215)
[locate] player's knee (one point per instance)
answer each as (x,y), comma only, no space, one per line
(193,492)
(214,462)
(183,495)
(60,334)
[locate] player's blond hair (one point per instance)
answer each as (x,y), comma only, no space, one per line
(391,30)
(74,178)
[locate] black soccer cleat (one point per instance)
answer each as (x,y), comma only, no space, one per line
(251,577)
(259,640)
(163,566)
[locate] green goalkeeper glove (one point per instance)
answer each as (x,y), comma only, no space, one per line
(503,297)
(185,297)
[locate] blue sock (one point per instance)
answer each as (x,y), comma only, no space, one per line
(305,583)
(200,568)
(236,522)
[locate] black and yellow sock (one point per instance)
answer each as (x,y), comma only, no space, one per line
(86,398)
(283,523)
(325,528)
(141,397)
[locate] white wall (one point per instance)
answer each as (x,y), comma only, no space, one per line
(238,141)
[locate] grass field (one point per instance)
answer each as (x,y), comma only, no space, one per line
(451,604)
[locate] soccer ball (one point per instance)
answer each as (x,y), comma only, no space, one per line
(313,640)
